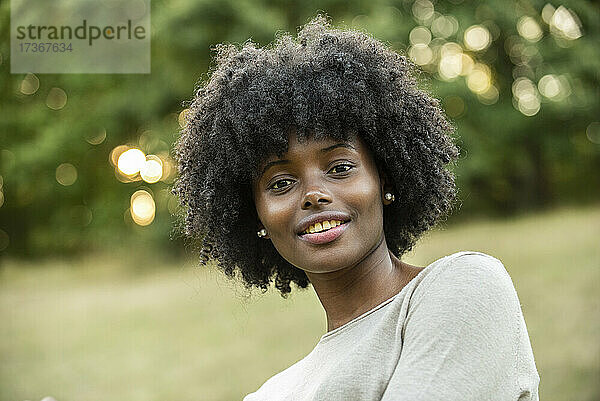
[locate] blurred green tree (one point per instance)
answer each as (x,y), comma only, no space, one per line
(519,78)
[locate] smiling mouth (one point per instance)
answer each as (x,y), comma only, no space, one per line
(323,226)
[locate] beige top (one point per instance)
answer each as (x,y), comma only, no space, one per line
(455,332)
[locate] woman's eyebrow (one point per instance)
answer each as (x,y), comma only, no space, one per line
(271,164)
(338,145)
(324,150)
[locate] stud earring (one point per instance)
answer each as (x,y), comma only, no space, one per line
(262,233)
(389,196)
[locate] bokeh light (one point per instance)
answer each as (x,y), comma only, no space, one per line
(479,79)
(593,132)
(529,29)
(467,64)
(450,65)
(152,169)
(526,97)
(57,99)
(131,161)
(169,167)
(182,116)
(489,96)
(549,86)
(565,24)
(149,142)
(477,38)
(30,84)
(95,137)
(142,208)
(444,26)
(419,36)
(116,153)
(66,174)
(422,10)
(421,54)
(547,13)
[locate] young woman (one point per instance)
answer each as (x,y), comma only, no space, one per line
(318,161)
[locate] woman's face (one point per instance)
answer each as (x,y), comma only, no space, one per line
(314,178)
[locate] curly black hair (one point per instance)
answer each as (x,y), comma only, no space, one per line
(328,83)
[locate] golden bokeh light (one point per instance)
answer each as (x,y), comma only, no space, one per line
(550,86)
(444,26)
(116,153)
(467,64)
(422,10)
(421,54)
(479,79)
(30,84)
(66,174)
(169,167)
(450,65)
(526,97)
(490,96)
(131,161)
(529,29)
(182,116)
(547,13)
(477,38)
(95,137)
(152,171)
(523,87)
(57,99)
(142,208)
(419,36)
(529,106)
(148,142)
(1,198)
(126,178)
(565,24)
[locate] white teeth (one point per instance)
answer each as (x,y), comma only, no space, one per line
(322,226)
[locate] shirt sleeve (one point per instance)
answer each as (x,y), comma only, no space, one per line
(465,338)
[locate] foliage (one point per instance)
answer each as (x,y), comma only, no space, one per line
(510,161)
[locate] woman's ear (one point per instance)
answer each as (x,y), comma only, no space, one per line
(260,231)
(386,185)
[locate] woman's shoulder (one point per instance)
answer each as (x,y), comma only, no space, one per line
(465,274)
(468,263)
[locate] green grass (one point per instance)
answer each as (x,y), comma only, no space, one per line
(127,328)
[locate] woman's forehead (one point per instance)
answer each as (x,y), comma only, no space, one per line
(322,145)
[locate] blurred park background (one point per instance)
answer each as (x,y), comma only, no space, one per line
(99,296)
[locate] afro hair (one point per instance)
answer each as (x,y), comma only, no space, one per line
(329,83)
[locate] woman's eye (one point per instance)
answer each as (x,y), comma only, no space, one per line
(347,167)
(275,184)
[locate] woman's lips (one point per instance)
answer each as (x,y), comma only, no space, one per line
(324,237)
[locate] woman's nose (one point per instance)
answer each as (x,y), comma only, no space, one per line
(315,197)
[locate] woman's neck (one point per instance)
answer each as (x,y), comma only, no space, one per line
(349,292)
